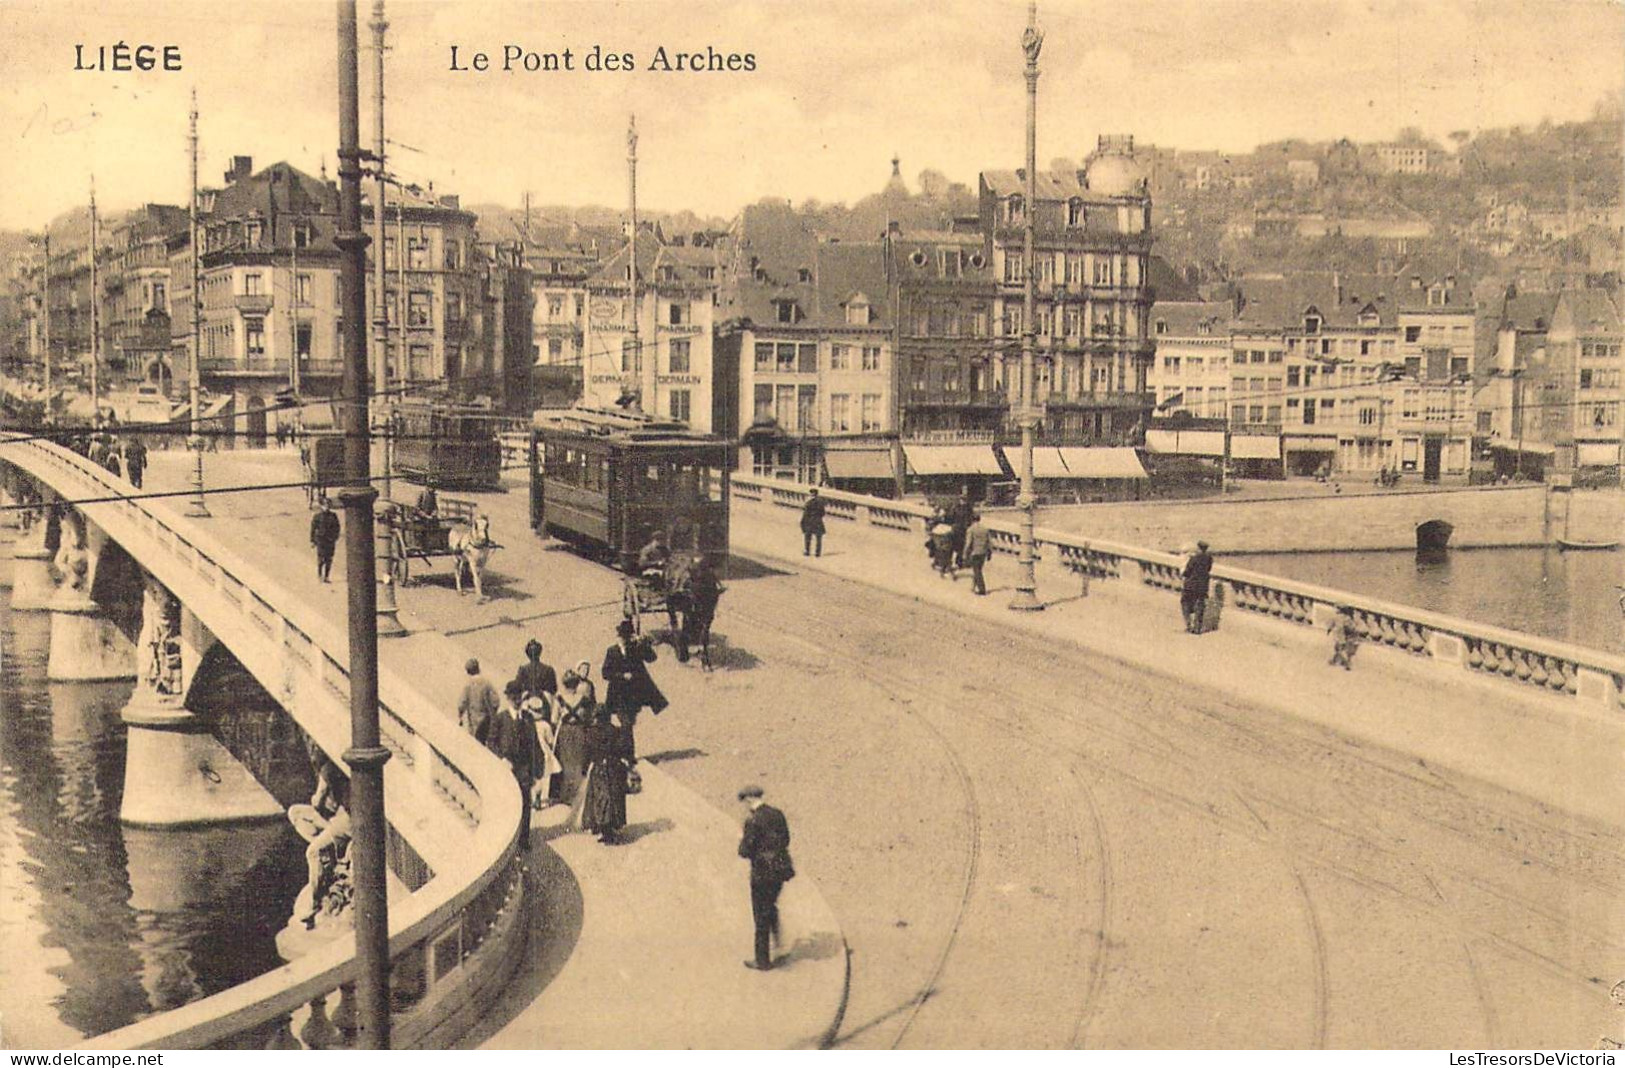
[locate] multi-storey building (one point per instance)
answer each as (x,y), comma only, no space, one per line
(677,291)
(1191,371)
(949,356)
(1092,247)
(135,316)
(432,286)
(269,275)
(1402,158)
(1580,393)
(809,326)
(561,259)
(1355,374)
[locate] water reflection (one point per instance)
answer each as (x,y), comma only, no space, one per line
(101,925)
(1567,595)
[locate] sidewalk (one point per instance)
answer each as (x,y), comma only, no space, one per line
(635,945)
(1550,748)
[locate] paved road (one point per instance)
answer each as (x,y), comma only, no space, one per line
(1030,844)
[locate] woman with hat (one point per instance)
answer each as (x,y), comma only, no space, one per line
(609,756)
(574,709)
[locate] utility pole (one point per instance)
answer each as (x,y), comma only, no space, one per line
(645,367)
(380,312)
(49,418)
(1025,598)
(196,507)
(389,623)
(95,316)
(403,354)
(366,757)
(293,314)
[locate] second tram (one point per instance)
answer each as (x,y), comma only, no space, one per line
(447,445)
(607,480)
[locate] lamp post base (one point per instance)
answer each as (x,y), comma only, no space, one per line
(1025,599)
(196,508)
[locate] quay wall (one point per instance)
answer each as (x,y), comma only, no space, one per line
(1483,517)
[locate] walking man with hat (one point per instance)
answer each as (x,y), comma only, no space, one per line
(766,844)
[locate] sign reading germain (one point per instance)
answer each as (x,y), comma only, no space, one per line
(678,380)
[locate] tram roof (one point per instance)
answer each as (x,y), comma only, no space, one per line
(628,427)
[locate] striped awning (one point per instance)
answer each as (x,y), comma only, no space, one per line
(1255,447)
(1185,442)
(952,460)
(1105,463)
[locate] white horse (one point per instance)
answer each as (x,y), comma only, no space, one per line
(473,546)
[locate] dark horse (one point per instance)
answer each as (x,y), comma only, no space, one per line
(697,608)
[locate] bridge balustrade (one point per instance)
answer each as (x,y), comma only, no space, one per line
(1545,664)
(453,808)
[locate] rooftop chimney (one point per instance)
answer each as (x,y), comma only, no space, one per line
(241,167)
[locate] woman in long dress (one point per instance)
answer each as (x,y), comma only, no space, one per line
(609,755)
(573,710)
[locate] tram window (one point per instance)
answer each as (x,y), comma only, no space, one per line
(652,472)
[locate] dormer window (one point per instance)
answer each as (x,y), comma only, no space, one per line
(1162,326)
(1205,326)
(302,234)
(1012,208)
(949,261)
(786,310)
(1074,212)
(803,275)
(1311,324)
(857,312)
(668,273)
(761,274)
(255,229)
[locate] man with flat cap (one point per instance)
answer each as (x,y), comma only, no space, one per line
(766,844)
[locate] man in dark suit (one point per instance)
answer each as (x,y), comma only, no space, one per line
(324,534)
(812,523)
(1193,594)
(766,844)
(631,690)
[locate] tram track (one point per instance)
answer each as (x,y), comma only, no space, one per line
(1047,724)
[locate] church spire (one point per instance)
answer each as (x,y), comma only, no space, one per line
(895,185)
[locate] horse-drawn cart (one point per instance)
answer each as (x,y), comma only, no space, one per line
(673,593)
(458,530)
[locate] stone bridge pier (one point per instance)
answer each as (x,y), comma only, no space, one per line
(94,607)
(33,579)
(176,772)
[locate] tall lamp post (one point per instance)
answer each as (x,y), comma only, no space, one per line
(1025,598)
(196,507)
(365,757)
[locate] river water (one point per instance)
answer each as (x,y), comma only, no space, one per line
(101,924)
(1571,596)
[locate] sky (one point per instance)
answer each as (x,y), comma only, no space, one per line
(838,87)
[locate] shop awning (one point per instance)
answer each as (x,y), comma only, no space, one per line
(858,463)
(1255,447)
(1047,462)
(1185,442)
(1120,462)
(952,460)
(1597,454)
(1308,445)
(1533,448)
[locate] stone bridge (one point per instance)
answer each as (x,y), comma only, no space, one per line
(135,594)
